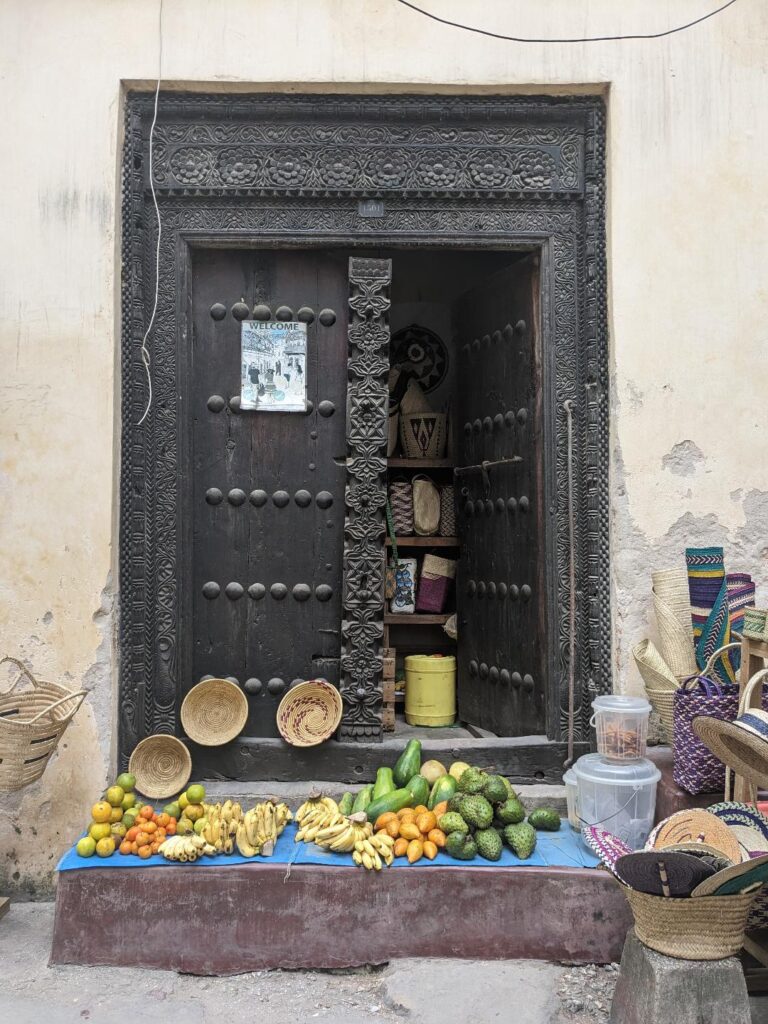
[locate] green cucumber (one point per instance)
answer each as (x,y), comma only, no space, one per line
(419,786)
(346,803)
(443,789)
(408,764)
(384,783)
(394,801)
(362,799)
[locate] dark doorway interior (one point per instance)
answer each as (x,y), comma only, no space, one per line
(264,576)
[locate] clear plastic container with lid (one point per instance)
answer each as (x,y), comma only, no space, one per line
(572,799)
(619,795)
(621,724)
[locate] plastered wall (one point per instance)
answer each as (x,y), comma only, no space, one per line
(687,251)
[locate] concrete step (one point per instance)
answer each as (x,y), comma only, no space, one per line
(295,793)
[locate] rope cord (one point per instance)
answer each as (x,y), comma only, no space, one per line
(145,356)
(568,406)
(585,39)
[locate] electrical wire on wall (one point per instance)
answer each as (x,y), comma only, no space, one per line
(585,39)
(145,356)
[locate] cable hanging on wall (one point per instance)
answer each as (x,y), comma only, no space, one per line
(145,356)
(585,39)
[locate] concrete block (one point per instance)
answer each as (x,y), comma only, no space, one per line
(663,990)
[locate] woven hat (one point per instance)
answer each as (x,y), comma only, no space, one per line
(687,829)
(662,872)
(605,845)
(309,713)
(162,766)
(736,878)
(214,712)
(741,745)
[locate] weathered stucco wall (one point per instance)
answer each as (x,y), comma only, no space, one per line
(687,247)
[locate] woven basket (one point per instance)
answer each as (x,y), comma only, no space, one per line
(663,703)
(696,928)
(660,684)
(447,511)
(31,724)
(309,713)
(162,766)
(401,501)
(672,604)
(756,624)
(423,435)
(214,712)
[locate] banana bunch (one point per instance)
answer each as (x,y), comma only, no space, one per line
(342,835)
(259,828)
(316,813)
(185,849)
(372,851)
(221,825)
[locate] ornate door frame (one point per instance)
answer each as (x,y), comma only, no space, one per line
(283,171)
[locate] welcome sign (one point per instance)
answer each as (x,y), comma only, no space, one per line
(274,365)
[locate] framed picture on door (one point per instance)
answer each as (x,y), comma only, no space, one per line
(273,365)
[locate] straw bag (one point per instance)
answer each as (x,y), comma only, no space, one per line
(414,399)
(660,684)
(756,624)
(437,574)
(423,435)
(696,928)
(426,506)
(697,769)
(672,604)
(447,512)
(31,724)
(401,501)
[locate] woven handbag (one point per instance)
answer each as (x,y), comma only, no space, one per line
(697,770)
(426,506)
(401,501)
(447,511)
(437,575)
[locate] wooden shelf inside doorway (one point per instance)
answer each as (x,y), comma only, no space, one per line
(424,542)
(417,619)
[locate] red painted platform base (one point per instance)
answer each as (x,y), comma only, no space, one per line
(235,919)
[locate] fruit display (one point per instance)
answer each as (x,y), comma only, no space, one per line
(410,811)
(413,832)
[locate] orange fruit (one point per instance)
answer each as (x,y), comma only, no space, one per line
(101,812)
(105,847)
(145,852)
(126,847)
(142,839)
(194,811)
(99,830)
(116,815)
(163,819)
(149,827)
(171,830)
(146,812)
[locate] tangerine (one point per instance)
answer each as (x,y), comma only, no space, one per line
(145,852)
(126,847)
(142,839)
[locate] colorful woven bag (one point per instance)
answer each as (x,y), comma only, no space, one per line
(697,770)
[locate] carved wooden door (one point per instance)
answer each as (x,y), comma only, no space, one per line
(499,490)
(263,578)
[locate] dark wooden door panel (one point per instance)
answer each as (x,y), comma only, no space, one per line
(500,599)
(267,489)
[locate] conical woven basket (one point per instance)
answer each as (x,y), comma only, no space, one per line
(660,684)
(214,712)
(696,928)
(672,603)
(309,713)
(162,766)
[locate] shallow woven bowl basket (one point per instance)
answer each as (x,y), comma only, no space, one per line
(309,713)
(162,766)
(214,712)
(697,928)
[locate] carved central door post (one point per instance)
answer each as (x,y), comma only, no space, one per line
(366,495)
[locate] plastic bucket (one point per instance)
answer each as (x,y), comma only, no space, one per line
(430,689)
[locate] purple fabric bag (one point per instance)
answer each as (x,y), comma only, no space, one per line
(697,770)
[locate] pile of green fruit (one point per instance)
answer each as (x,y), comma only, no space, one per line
(485,812)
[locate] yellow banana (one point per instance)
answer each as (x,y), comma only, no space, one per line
(244,846)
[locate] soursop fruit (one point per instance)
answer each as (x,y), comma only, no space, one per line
(489,844)
(476,811)
(460,846)
(510,791)
(521,838)
(495,791)
(454,804)
(511,812)
(473,780)
(452,821)
(545,819)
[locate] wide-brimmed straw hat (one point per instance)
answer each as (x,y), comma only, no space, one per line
(741,745)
